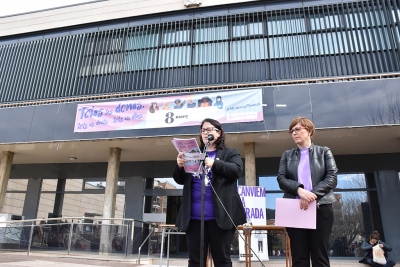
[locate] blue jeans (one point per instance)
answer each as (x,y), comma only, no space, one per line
(389,263)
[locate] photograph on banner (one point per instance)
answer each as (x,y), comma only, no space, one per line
(170,111)
(253,199)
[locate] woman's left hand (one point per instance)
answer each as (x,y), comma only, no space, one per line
(208,162)
(303,204)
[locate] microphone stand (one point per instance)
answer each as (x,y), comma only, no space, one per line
(203,192)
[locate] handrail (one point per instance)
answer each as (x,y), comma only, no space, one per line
(129,227)
(73,218)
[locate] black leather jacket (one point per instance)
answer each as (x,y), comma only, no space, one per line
(323,173)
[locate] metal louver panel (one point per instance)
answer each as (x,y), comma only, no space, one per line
(352,38)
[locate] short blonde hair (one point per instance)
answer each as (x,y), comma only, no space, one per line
(306,123)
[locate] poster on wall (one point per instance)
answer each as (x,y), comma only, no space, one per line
(253,199)
(170,111)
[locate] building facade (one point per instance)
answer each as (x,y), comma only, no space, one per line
(336,62)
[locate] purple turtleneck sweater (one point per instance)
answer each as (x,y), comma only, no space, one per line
(303,170)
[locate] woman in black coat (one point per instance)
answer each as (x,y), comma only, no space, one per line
(308,172)
(224,167)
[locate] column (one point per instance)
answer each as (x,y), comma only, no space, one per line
(250,164)
(134,210)
(59,200)
(32,198)
(110,198)
(388,187)
(5,168)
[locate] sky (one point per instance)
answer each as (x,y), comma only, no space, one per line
(22,6)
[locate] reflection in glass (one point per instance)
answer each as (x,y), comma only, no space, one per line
(351,181)
(49,184)
(174,56)
(348,229)
(108,63)
(142,39)
(373,18)
(14,203)
(171,36)
(332,111)
(269,182)
(245,28)
(249,50)
(210,53)
(297,101)
(211,31)
(288,46)
(368,109)
(319,22)
(327,43)
(140,60)
(393,96)
(286,24)
(76,184)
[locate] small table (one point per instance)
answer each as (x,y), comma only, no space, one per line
(168,229)
(270,228)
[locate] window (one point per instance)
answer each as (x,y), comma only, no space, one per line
(286,24)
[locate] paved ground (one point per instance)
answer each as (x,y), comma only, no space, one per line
(15,259)
(19,259)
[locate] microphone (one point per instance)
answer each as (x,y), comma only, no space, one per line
(210,137)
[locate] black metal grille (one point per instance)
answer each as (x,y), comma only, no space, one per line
(322,41)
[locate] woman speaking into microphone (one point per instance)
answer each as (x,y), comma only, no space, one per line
(223,166)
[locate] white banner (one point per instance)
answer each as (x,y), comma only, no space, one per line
(170,111)
(253,199)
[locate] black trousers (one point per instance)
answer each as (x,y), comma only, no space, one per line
(389,263)
(217,239)
(312,242)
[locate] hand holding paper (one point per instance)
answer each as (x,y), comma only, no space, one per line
(189,154)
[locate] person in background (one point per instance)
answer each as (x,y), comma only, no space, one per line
(153,107)
(224,167)
(218,103)
(204,102)
(191,104)
(166,106)
(178,104)
(371,241)
(308,172)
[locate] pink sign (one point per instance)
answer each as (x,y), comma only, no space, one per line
(289,214)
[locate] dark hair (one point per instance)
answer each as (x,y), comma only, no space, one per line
(152,109)
(220,143)
(374,235)
(306,123)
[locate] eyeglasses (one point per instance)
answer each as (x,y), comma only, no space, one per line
(208,130)
(295,130)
